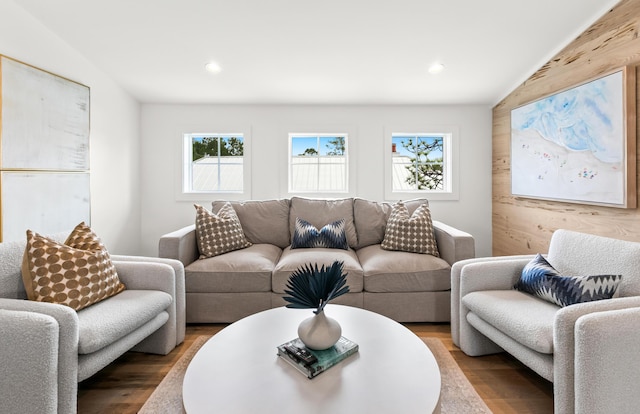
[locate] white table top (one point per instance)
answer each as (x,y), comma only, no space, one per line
(238,371)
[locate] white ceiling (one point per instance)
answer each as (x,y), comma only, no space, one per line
(326,52)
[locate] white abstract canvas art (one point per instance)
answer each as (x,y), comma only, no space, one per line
(44,151)
(45,120)
(573,146)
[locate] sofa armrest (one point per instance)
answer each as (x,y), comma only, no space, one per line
(453,244)
(564,342)
(29,355)
(607,365)
(179,298)
(67,320)
(180,245)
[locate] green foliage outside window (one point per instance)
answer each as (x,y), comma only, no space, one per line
(336,146)
(425,169)
(214,146)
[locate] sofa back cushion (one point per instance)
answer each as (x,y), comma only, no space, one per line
(262,221)
(370,218)
(580,254)
(322,212)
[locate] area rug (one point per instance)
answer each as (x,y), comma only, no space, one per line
(456,396)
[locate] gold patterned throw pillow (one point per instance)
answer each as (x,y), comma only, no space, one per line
(218,233)
(413,233)
(76,273)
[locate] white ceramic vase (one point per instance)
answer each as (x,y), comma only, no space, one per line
(319,331)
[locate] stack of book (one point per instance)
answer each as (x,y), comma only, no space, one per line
(311,362)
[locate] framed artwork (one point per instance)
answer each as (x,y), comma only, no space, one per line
(44,151)
(578,145)
(45,202)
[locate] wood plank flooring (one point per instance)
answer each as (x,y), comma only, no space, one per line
(505,384)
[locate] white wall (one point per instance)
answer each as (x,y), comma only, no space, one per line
(162,127)
(115,124)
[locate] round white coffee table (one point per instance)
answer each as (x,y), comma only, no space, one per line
(238,371)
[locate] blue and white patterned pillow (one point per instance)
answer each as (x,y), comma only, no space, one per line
(331,236)
(540,279)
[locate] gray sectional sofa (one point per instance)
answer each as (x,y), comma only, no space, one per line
(407,287)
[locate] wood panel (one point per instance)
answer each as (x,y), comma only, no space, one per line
(524,226)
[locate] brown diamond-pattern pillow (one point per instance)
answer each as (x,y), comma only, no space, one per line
(413,233)
(219,233)
(77,273)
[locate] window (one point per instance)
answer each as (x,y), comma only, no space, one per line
(214,163)
(417,162)
(318,163)
(421,164)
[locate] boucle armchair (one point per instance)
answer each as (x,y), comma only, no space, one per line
(46,348)
(588,350)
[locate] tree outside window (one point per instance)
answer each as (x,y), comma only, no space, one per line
(418,162)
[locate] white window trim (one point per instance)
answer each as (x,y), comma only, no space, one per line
(349,132)
(184,154)
(451,163)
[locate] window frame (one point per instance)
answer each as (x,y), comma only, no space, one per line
(347,163)
(450,168)
(185,190)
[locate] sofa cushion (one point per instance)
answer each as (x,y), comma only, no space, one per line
(539,278)
(246,270)
(218,233)
(104,323)
(370,218)
(410,232)
(331,236)
(77,273)
(394,271)
(263,221)
(293,259)
(525,318)
(322,212)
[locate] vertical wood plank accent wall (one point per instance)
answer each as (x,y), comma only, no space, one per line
(524,226)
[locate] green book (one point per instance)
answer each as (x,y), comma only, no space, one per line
(317,362)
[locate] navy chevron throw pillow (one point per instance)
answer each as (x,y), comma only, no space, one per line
(331,236)
(540,279)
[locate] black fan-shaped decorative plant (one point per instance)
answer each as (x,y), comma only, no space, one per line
(310,287)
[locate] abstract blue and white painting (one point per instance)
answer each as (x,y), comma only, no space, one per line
(571,146)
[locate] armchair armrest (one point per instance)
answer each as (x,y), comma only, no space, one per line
(29,355)
(179,297)
(180,245)
(607,365)
(478,269)
(499,274)
(147,276)
(67,319)
(564,342)
(155,275)
(453,244)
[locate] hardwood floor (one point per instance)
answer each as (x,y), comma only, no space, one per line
(505,384)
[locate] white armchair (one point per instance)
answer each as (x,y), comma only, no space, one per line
(48,348)
(560,344)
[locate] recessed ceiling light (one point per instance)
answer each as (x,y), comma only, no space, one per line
(213,67)
(436,68)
